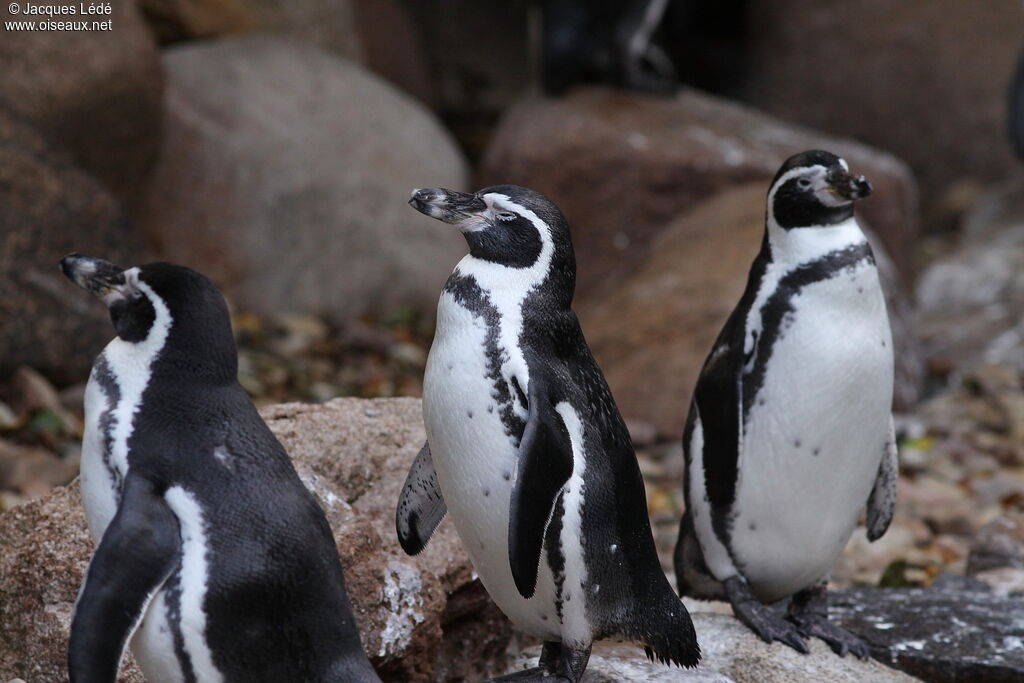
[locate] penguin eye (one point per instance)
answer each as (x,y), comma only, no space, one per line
(804,182)
(505,216)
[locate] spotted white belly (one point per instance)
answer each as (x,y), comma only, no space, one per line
(475,463)
(815,436)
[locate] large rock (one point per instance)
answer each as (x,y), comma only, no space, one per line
(651,330)
(394,46)
(419,617)
(96,93)
(622,165)
(971,300)
(899,75)
(328,24)
(285,176)
(940,634)
(50,208)
(731,654)
(44,549)
(998,545)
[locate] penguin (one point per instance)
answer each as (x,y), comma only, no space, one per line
(604,41)
(790,431)
(213,560)
(526,449)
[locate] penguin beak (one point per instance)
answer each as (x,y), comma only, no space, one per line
(446,205)
(95,275)
(847,187)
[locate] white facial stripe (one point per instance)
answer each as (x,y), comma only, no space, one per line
(131,365)
(846,166)
(194,581)
(508,287)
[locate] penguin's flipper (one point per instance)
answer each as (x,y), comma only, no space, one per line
(544,465)
(420,505)
(138,551)
(882,501)
(718,398)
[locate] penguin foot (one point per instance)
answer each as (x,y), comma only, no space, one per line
(808,611)
(558,664)
(839,639)
(537,673)
(760,619)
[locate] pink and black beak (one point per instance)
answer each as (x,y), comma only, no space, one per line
(95,275)
(446,205)
(847,186)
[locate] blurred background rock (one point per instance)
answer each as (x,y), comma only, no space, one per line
(272,145)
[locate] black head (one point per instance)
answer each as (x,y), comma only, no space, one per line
(507,225)
(814,188)
(145,301)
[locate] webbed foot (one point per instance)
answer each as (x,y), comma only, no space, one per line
(558,664)
(809,613)
(760,619)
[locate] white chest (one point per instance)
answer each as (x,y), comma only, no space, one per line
(475,460)
(815,434)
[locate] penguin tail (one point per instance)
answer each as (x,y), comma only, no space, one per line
(667,634)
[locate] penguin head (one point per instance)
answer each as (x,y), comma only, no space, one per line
(814,189)
(162,297)
(507,225)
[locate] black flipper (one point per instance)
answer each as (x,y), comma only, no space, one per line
(420,505)
(544,465)
(882,501)
(138,551)
(720,400)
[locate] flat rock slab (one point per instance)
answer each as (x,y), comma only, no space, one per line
(732,654)
(937,634)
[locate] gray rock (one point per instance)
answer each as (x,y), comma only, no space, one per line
(51,207)
(971,301)
(95,94)
(856,62)
(732,654)
(621,166)
(998,545)
(285,177)
(950,632)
